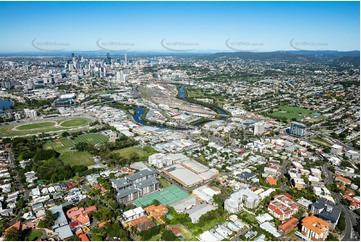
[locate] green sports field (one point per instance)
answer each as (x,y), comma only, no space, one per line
(166,196)
(43,127)
(77,158)
(65,143)
(64,146)
(74,122)
(127,153)
(40,125)
(294,113)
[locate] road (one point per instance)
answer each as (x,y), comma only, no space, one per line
(327,173)
(237,238)
(349,215)
(282,173)
(350,220)
(18,184)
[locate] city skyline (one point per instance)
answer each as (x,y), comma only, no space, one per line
(179,26)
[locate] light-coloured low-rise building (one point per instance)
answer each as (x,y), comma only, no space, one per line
(242,198)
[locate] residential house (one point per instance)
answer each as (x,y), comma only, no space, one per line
(133,214)
(343,180)
(288,226)
(298,183)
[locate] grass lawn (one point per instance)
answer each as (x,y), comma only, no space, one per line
(321,142)
(200,121)
(128,152)
(195,93)
(62,145)
(41,125)
(34,235)
(210,224)
(74,158)
(97,237)
(248,218)
(164,183)
(156,237)
(8,131)
(75,122)
(293,113)
(93,138)
(187,235)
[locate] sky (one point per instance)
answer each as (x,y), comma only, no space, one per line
(179,26)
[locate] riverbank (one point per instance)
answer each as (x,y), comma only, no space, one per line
(140,114)
(6,104)
(183,94)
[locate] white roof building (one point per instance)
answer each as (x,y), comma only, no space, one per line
(184,204)
(133,214)
(207,236)
(205,193)
(264,218)
(270,228)
(197,211)
(244,197)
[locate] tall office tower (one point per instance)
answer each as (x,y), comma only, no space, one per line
(72,55)
(258,128)
(125,59)
(298,129)
(124,75)
(108,60)
(118,77)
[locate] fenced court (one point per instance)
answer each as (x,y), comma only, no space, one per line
(166,196)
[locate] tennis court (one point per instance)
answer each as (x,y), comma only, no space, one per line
(166,196)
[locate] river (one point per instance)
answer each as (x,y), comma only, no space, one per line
(218,110)
(140,110)
(5,104)
(138,118)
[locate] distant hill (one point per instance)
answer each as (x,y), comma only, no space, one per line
(335,57)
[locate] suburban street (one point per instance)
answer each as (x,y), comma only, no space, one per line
(349,215)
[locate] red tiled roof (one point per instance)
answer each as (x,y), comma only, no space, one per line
(16,225)
(74,224)
(176,231)
(156,211)
(137,221)
(100,225)
(289,225)
(83,237)
(343,179)
(275,209)
(145,226)
(315,224)
(271,181)
(73,212)
(79,231)
(83,218)
(90,209)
